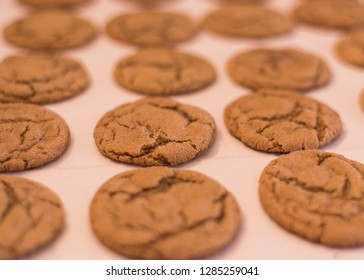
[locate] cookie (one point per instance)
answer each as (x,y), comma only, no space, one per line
(278,68)
(53,3)
(31,216)
(164,213)
(163,72)
(281,121)
(361,100)
(30,136)
(154,131)
(40,79)
(50,30)
(247,22)
(151,28)
(316,195)
(338,14)
(351,47)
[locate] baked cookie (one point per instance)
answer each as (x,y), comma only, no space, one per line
(30,136)
(164,213)
(283,68)
(361,100)
(337,14)
(40,79)
(154,131)
(151,28)
(316,195)
(31,216)
(50,30)
(247,22)
(163,72)
(281,121)
(351,47)
(53,3)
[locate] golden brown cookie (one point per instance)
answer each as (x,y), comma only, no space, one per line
(50,30)
(53,3)
(247,22)
(151,28)
(164,213)
(281,121)
(280,68)
(31,216)
(351,47)
(163,72)
(154,131)
(40,79)
(30,136)
(316,195)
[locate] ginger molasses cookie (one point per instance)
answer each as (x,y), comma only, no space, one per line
(53,3)
(164,213)
(30,136)
(31,216)
(151,28)
(281,121)
(50,30)
(316,195)
(351,47)
(164,72)
(40,79)
(247,21)
(278,68)
(154,131)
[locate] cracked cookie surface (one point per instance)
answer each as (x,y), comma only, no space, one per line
(247,21)
(351,47)
(30,136)
(154,131)
(163,72)
(164,213)
(31,216)
(316,195)
(281,121)
(50,30)
(53,3)
(40,79)
(283,68)
(151,28)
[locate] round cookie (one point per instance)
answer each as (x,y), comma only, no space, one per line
(30,136)
(31,216)
(163,72)
(53,3)
(154,131)
(164,213)
(50,30)
(283,68)
(281,121)
(247,22)
(351,47)
(40,79)
(151,28)
(316,195)
(337,14)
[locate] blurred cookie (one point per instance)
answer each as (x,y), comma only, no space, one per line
(164,213)
(351,47)
(154,131)
(30,136)
(53,3)
(281,121)
(316,195)
(31,216)
(163,72)
(284,68)
(40,79)
(361,100)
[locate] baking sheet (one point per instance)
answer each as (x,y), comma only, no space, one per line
(77,175)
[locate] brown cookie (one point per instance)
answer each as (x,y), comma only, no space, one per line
(283,68)
(30,136)
(337,14)
(361,100)
(50,30)
(316,195)
(163,72)
(247,21)
(164,213)
(154,131)
(151,28)
(31,216)
(53,3)
(281,121)
(351,47)
(40,79)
